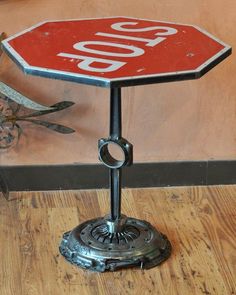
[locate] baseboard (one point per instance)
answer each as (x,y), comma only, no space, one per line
(64,177)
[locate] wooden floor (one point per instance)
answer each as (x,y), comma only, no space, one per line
(199,221)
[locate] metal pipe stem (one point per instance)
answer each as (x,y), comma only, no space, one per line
(115,133)
(115,113)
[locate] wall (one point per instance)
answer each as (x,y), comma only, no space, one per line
(190,120)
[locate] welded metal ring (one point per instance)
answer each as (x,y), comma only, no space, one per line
(107,159)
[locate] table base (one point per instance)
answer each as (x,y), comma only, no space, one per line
(98,246)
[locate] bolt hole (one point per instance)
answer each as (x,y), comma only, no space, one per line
(82,233)
(89,243)
(109,248)
(133,247)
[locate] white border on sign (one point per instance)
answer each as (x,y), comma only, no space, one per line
(69,76)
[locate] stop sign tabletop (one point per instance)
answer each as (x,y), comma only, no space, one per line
(117,51)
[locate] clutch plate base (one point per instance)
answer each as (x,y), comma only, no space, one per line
(98,246)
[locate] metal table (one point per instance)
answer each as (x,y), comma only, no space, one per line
(115,52)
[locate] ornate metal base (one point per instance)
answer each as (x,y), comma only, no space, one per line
(104,245)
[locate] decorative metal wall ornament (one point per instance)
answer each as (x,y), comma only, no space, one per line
(11,103)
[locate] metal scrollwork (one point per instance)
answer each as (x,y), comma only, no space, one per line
(13,110)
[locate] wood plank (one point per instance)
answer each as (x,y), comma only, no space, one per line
(202,261)
(10,270)
(216,209)
(191,267)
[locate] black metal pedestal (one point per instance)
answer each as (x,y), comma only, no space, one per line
(115,241)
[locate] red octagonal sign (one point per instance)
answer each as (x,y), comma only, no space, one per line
(117,51)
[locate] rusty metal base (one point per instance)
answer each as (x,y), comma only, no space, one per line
(92,245)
